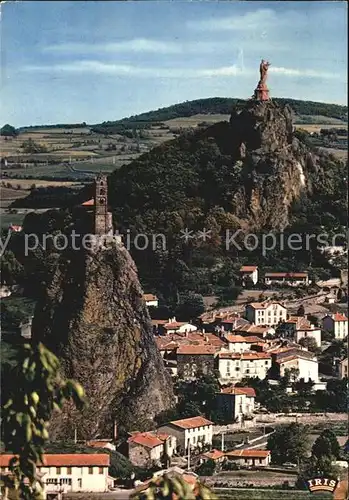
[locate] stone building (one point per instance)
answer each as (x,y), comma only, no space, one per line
(103,224)
(195,359)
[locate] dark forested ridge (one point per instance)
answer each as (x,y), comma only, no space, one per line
(224,105)
(210,105)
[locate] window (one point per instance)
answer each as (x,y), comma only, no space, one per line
(58,470)
(101,470)
(69,470)
(90,470)
(266,362)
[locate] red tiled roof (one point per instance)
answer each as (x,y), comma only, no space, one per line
(244,355)
(214,454)
(238,391)
(264,305)
(340,317)
(239,338)
(286,275)
(191,423)
(88,203)
(248,453)
(67,459)
(248,269)
(175,324)
(146,439)
(197,349)
(149,297)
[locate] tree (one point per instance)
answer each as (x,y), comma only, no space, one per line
(289,444)
(8,131)
(326,445)
(301,310)
(310,344)
(32,389)
(197,396)
(317,467)
(190,306)
(207,468)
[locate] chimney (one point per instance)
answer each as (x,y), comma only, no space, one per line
(186,334)
(206,338)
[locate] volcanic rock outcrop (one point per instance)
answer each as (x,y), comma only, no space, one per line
(273,164)
(93,317)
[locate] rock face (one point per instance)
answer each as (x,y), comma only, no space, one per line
(273,164)
(93,317)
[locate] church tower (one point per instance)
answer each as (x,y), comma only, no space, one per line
(102,218)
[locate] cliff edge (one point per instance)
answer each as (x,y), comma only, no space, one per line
(93,317)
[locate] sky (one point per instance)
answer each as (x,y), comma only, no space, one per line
(69,62)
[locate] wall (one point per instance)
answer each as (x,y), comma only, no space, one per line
(189,365)
(81,479)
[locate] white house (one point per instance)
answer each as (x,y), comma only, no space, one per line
(236,402)
(304,329)
(174,326)
(238,343)
(250,272)
(150,300)
(146,449)
(336,324)
(343,368)
(265,313)
(65,473)
(236,366)
(306,364)
(193,432)
(247,458)
(290,279)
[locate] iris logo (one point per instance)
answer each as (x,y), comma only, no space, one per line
(322,484)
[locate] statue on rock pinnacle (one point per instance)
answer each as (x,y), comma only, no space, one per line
(261,93)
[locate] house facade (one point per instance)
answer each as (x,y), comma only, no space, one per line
(236,366)
(146,449)
(289,279)
(150,300)
(238,343)
(193,432)
(65,473)
(265,313)
(336,324)
(343,368)
(236,403)
(248,458)
(306,364)
(195,359)
(249,272)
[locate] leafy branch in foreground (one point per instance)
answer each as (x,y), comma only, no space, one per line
(173,488)
(33,389)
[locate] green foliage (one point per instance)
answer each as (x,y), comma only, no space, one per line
(317,467)
(191,305)
(14,310)
(11,271)
(326,445)
(207,468)
(310,344)
(8,131)
(31,147)
(197,397)
(173,488)
(224,105)
(289,444)
(32,390)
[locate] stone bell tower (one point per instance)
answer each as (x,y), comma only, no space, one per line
(102,217)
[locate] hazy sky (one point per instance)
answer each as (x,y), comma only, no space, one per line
(65,62)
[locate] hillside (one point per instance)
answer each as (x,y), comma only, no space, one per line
(253,173)
(224,106)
